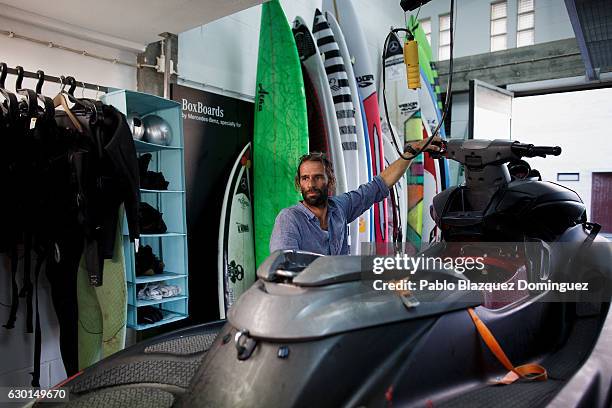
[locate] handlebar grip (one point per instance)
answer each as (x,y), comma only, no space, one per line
(529,150)
(552,151)
(545,150)
(443,145)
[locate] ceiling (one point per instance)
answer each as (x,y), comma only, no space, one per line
(592,23)
(125,24)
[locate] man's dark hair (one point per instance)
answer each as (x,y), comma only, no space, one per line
(321,158)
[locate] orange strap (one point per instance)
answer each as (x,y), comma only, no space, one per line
(531,372)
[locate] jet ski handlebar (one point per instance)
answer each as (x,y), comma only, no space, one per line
(529,150)
(479,153)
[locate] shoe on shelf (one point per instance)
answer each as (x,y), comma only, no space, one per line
(170,290)
(150,292)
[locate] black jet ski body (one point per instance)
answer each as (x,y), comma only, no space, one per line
(314,331)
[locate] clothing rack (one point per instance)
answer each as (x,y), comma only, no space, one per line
(58,80)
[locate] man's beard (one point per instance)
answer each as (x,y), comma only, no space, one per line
(319,200)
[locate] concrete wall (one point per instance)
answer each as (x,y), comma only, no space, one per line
(473,19)
(16,347)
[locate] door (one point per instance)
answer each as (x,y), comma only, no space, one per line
(601,201)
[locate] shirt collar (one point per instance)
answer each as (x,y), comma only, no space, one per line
(331,207)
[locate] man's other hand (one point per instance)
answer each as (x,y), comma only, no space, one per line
(434,146)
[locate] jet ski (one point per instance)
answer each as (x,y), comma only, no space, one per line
(315,331)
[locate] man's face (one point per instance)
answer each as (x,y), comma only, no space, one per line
(314,183)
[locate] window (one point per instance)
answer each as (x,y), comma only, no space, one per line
(445,34)
(499,26)
(525,24)
(426,26)
(568,176)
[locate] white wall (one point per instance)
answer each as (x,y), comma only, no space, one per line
(223,53)
(16,347)
(580,122)
(55,62)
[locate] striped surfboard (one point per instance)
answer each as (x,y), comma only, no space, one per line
(356,41)
(345,110)
(363,142)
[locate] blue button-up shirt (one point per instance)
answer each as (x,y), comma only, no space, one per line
(298,228)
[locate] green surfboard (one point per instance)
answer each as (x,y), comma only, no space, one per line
(426,56)
(281,124)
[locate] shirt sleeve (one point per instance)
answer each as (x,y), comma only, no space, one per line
(285,234)
(356,202)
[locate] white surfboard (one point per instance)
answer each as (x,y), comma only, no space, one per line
(402,103)
(337,78)
(236,260)
(401,187)
(364,165)
(313,64)
(347,17)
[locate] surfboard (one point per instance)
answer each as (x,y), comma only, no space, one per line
(431,174)
(428,63)
(103,309)
(424,173)
(366,138)
(398,211)
(427,176)
(431,71)
(317,138)
(311,62)
(337,79)
(347,18)
(236,262)
(414,230)
(280,134)
(364,158)
(402,103)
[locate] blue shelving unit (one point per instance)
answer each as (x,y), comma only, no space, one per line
(170,247)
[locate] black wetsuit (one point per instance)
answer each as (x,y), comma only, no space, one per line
(65,189)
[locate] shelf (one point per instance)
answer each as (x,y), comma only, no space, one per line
(144,190)
(144,147)
(168,318)
(160,277)
(141,102)
(167,234)
(140,303)
(169,161)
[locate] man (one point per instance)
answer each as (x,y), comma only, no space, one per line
(318,223)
